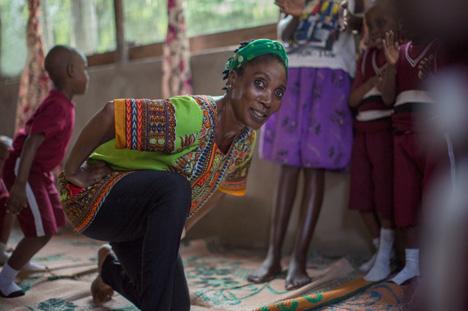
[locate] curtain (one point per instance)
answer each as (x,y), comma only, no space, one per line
(34,83)
(177,78)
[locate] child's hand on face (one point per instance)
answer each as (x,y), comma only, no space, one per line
(89,174)
(391,48)
(17,200)
(291,7)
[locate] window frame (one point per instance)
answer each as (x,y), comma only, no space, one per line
(198,44)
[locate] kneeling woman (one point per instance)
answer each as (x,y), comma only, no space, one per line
(163,161)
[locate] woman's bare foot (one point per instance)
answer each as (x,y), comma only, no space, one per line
(297,276)
(269,269)
(101,291)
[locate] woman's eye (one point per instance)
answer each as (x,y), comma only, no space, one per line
(279,93)
(260,83)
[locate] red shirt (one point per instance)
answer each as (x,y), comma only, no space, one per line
(55,119)
(411,73)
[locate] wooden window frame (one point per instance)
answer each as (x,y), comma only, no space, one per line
(197,44)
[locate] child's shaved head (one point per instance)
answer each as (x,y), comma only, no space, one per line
(57,61)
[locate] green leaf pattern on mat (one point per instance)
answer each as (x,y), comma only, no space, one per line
(292,307)
(56,304)
(220,281)
(314,298)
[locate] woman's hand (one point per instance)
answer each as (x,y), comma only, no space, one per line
(391,48)
(88,174)
(291,7)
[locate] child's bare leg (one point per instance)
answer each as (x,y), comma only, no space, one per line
(286,193)
(100,291)
(25,250)
(310,211)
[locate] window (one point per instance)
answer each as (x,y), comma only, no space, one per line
(90,24)
(145,21)
(85,24)
(210,16)
(13,19)
(90,28)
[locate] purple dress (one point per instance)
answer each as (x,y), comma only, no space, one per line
(313,128)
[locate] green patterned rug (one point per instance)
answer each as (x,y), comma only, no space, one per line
(216,279)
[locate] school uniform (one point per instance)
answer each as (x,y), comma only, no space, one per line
(413,165)
(372,155)
(54,118)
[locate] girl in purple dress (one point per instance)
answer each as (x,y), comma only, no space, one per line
(313,130)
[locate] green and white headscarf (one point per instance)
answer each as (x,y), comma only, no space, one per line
(255,49)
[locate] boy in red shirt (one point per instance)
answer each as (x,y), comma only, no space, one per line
(37,150)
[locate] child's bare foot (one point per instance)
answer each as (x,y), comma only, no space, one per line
(101,291)
(269,269)
(297,276)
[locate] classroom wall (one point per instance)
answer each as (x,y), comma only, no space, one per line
(240,222)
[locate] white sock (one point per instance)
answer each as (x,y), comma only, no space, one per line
(411,268)
(381,268)
(7,280)
(365,267)
(32,266)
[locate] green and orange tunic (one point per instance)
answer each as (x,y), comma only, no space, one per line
(176,134)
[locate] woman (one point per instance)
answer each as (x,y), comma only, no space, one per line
(168,158)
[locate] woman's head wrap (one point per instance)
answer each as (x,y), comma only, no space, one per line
(254,49)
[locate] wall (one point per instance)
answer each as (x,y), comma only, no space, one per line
(237,221)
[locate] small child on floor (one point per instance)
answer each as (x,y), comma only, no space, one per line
(402,87)
(37,150)
(371,190)
(5,148)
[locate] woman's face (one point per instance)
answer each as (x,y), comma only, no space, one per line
(256,92)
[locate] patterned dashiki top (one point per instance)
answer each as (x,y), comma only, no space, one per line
(176,134)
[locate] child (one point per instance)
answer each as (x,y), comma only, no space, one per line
(372,156)
(312,132)
(5,148)
(408,66)
(37,150)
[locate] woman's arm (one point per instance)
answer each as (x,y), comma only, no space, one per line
(97,131)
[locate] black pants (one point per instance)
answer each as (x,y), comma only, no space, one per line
(142,218)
